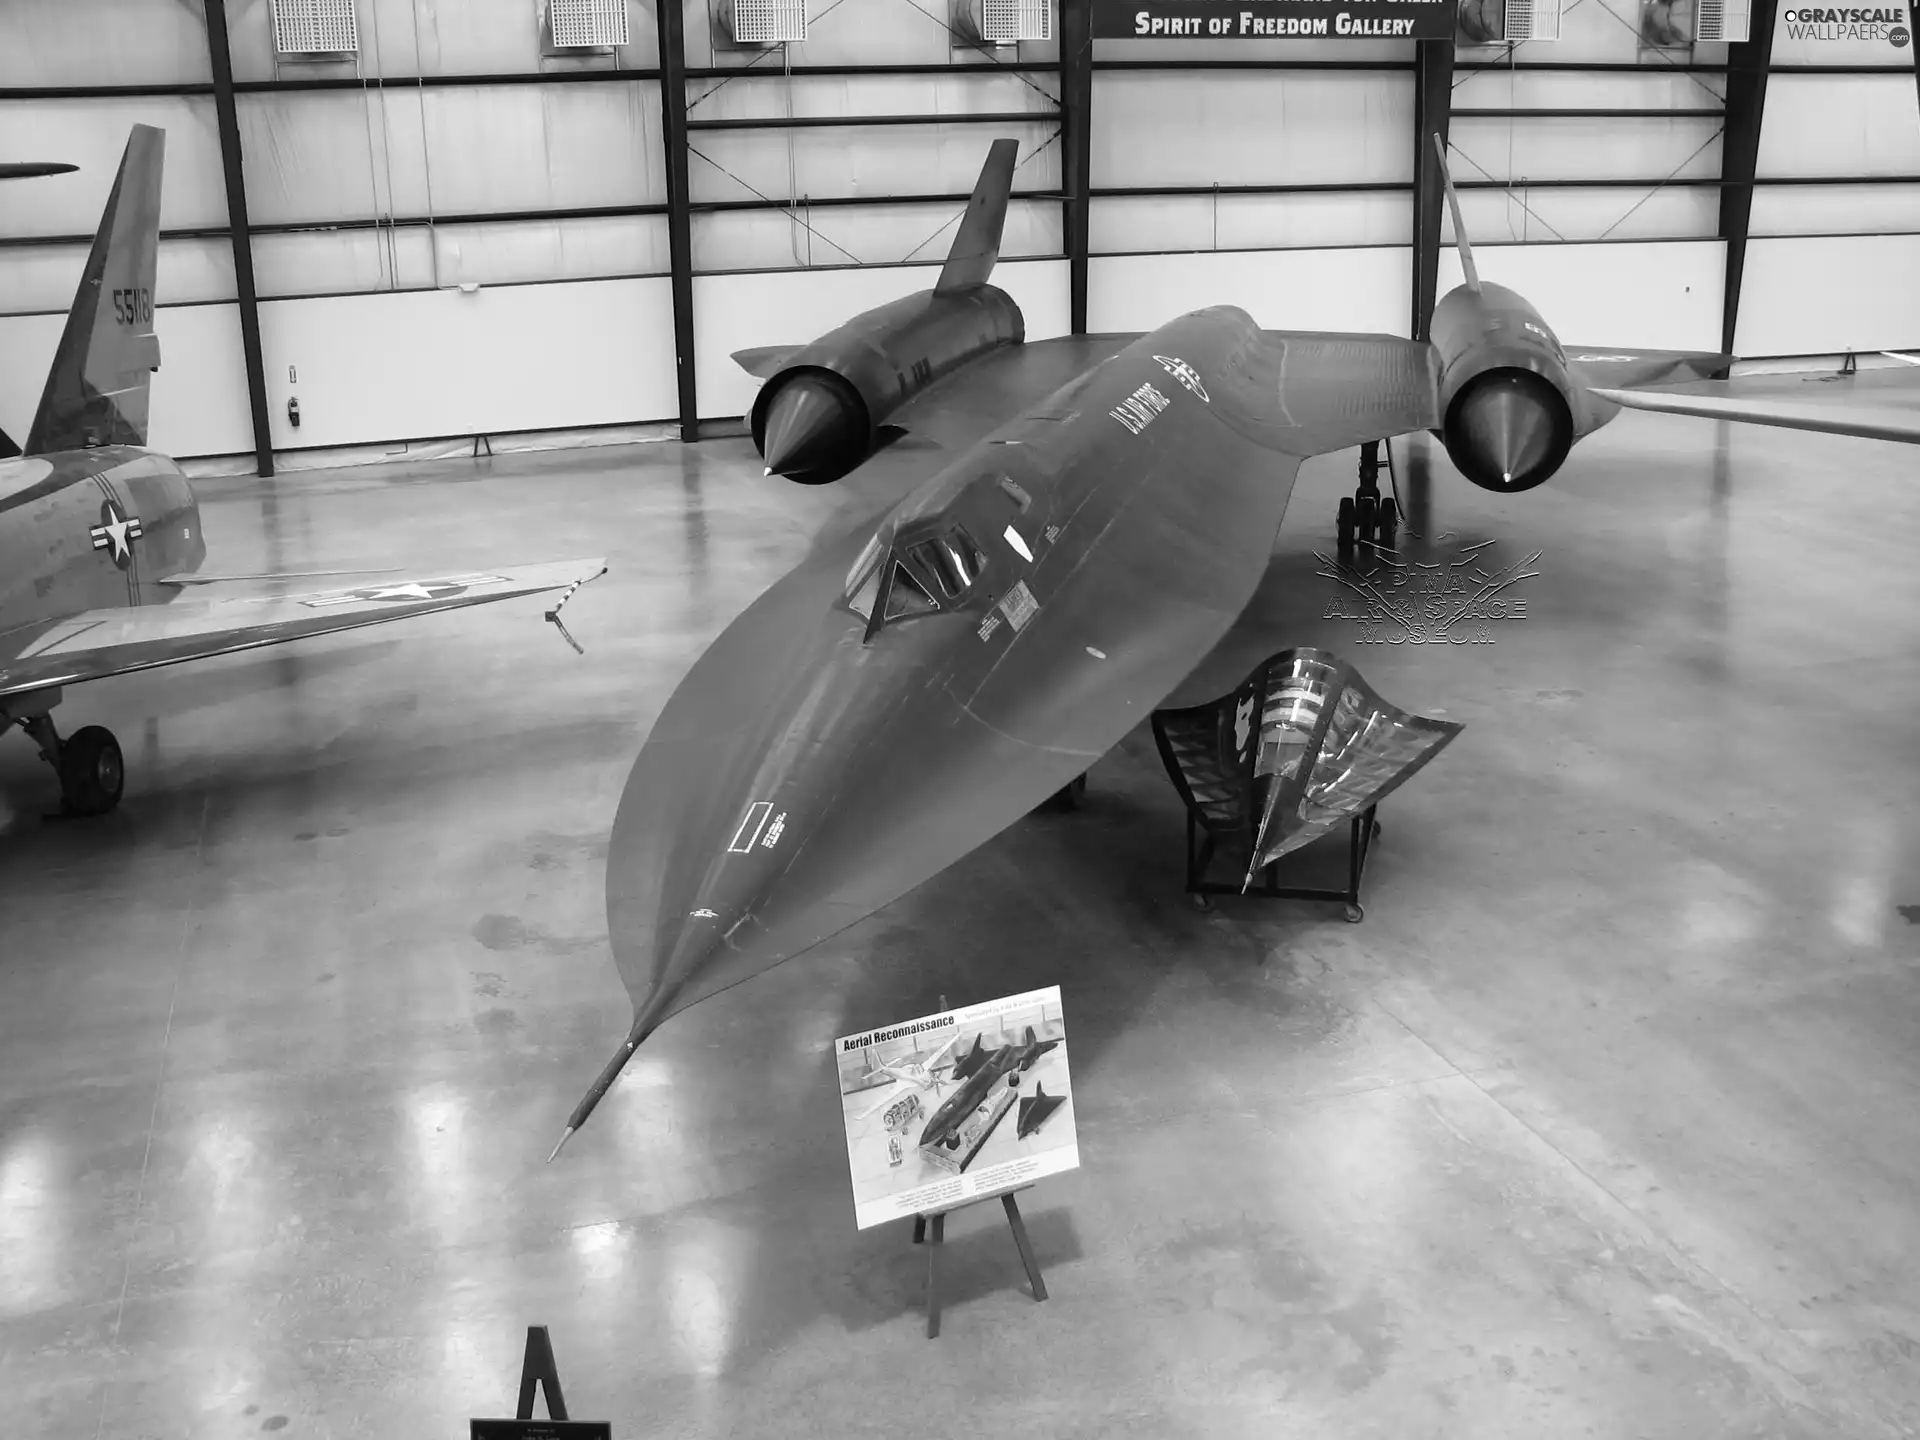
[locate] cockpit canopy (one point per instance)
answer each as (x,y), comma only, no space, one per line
(922,576)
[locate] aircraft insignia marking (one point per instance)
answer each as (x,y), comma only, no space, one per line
(773,831)
(702,914)
(1019,607)
(406,590)
(751,825)
(1185,374)
(116,533)
(1600,359)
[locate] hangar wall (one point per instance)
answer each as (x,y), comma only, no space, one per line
(1275,174)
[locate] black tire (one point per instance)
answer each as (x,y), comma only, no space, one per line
(1389,519)
(1068,797)
(92,773)
(1366,514)
(1355,914)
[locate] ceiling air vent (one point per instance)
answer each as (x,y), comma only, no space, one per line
(769,22)
(1508,22)
(1008,22)
(585,24)
(1721,21)
(315,27)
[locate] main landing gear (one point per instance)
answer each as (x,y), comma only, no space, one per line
(1367,517)
(88,761)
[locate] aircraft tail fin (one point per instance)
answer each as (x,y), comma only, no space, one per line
(977,246)
(97,390)
(1453,205)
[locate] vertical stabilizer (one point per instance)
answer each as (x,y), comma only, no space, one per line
(1453,206)
(977,246)
(97,389)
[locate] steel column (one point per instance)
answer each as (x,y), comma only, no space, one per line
(1432,109)
(229,124)
(673,129)
(1076,138)
(1747,65)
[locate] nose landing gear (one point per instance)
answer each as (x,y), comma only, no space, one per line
(1367,517)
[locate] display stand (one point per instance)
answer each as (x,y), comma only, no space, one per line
(538,1370)
(1362,832)
(933,1237)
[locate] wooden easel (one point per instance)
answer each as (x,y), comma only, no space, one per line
(538,1368)
(934,1240)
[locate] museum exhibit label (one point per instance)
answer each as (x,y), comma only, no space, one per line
(946,1109)
(1274,19)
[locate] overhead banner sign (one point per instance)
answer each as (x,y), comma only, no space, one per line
(1274,19)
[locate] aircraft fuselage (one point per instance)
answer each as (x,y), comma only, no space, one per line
(816,764)
(92,529)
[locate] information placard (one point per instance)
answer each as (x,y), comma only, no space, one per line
(1274,19)
(950,1108)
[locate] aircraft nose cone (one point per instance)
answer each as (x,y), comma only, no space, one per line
(811,430)
(1509,431)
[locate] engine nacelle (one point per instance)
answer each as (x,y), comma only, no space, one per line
(1509,413)
(821,414)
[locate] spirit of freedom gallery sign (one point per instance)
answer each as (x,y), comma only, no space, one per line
(1274,19)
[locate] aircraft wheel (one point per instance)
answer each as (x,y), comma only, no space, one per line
(1388,520)
(92,774)
(1355,914)
(1068,797)
(1344,522)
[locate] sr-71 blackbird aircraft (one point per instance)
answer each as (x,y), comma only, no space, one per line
(98,533)
(983,1068)
(1072,527)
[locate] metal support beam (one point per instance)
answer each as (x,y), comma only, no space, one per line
(1432,109)
(229,125)
(673,129)
(1076,138)
(1747,65)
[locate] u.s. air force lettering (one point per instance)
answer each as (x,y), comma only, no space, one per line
(1269,19)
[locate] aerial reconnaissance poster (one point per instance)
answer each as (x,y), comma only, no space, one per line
(956,1107)
(1274,19)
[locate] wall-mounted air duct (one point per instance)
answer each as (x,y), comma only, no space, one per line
(1508,22)
(309,29)
(571,27)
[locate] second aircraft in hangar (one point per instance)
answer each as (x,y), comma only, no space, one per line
(1075,526)
(100,536)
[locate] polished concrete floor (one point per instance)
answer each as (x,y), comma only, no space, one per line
(1603,1123)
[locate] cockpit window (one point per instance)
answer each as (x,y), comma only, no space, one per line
(907,596)
(953,560)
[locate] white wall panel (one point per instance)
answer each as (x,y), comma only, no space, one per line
(101,42)
(1840,125)
(351,154)
(1657,295)
(1572,148)
(1552,89)
(1249,222)
(44,277)
(1367,290)
(1532,214)
(737,312)
(1806,296)
(862,235)
(1835,209)
(456,37)
(1251,128)
(93,135)
(199,394)
(877,160)
(772,95)
(529,357)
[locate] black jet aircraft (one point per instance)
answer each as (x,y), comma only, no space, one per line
(99,535)
(1074,526)
(1009,1061)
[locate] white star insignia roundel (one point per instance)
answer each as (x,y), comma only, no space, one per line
(405,590)
(116,533)
(1185,374)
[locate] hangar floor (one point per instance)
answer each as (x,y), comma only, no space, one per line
(1602,1123)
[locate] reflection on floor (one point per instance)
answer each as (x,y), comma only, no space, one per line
(1602,1123)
